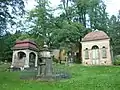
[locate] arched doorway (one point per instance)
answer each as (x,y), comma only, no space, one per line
(21,55)
(32,57)
(95,55)
(20,59)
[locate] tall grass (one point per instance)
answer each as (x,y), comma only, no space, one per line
(83,78)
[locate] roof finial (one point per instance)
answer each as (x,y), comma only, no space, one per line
(96,30)
(45,45)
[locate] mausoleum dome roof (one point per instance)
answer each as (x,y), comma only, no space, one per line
(96,35)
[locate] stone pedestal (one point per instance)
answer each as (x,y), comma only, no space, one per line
(41,69)
(48,67)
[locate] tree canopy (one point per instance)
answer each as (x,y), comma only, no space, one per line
(78,17)
(8,11)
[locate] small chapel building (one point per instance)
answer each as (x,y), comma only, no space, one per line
(96,49)
(25,54)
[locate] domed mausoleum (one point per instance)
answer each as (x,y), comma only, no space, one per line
(96,49)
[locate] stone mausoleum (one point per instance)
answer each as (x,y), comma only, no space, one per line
(25,54)
(96,49)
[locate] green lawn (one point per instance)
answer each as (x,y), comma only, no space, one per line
(83,78)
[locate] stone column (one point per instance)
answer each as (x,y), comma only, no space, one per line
(39,69)
(13,59)
(27,60)
(36,59)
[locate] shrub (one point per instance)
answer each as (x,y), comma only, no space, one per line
(54,59)
(78,61)
(116,60)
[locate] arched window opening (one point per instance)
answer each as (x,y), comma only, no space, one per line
(32,57)
(86,53)
(95,47)
(21,55)
(104,53)
(95,52)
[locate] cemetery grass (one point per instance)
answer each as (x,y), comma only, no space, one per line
(83,78)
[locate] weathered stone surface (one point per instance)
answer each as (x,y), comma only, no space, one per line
(93,45)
